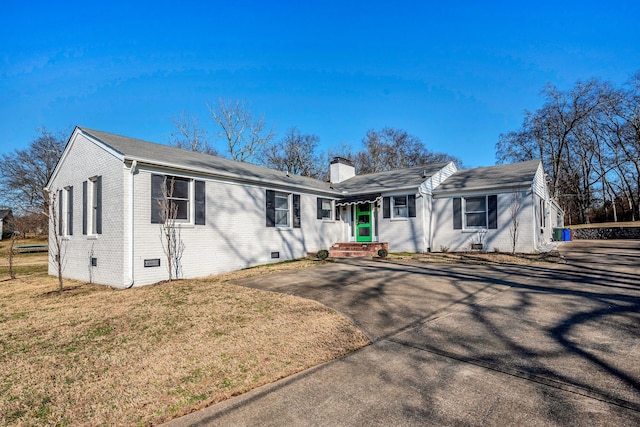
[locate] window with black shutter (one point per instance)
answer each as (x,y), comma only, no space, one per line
(70,210)
(176,193)
(271,208)
(84,207)
(457,213)
(386,207)
(477,212)
(200,203)
(296,211)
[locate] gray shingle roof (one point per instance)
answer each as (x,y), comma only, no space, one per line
(389,180)
(141,150)
(489,177)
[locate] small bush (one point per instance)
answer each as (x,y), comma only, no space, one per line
(322,254)
(382,253)
(444,249)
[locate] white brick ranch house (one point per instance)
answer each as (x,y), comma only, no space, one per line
(233,215)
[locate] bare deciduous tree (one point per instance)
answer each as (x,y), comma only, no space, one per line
(296,153)
(172,243)
(189,135)
(24,173)
(588,138)
(391,148)
(514,213)
(14,233)
(244,135)
(57,242)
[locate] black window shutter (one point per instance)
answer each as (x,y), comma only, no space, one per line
(157,182)
(411,201)
(99,204)
(386,207)
(319,208)
(200,203)
(84,207)
(296,211)
(457,213)
(70,211)
(492,201)
(271,208)
(60,210)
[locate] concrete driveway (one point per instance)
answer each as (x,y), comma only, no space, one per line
(465,345)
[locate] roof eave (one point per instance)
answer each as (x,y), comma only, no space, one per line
(231,176)
(523,184)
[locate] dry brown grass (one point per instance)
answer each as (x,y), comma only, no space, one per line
(481,257)
(607,225)
(94,356)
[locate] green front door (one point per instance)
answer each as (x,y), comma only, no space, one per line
(363,223)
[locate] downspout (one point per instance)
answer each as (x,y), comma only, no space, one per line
(535,220)
(426,235)
(132,171)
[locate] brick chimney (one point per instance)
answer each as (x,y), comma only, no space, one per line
(341,169)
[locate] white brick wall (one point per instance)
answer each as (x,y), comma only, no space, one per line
(85,160)
(403,234)
(235,235)
(444,236)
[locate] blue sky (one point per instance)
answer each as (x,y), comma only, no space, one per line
(455,74)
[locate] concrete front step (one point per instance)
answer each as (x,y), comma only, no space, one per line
(355,249)
(351,254)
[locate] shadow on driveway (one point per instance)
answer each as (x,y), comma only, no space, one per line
(466,344)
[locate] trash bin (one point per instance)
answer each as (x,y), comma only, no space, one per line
(566,235)
(557,234)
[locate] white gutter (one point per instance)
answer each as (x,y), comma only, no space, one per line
(132,171)
(535,220)
(235,177)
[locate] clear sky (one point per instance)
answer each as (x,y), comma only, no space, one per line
(455,74)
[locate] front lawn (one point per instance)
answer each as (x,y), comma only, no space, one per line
(97,356)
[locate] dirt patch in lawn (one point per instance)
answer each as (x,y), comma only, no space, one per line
(93,355)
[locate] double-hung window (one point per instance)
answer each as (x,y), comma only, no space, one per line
(282,209)
(475,213)
(65,211)
(67,223)
(399,206)
(324,209)
(178,199)
(92,206)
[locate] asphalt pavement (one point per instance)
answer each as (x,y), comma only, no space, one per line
(461,344)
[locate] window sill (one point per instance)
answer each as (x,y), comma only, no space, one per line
(92,237)
(400,219)
(474,230)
